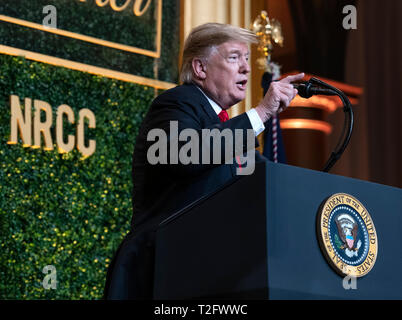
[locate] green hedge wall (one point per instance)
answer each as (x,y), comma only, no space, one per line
(56,209)
(101,22)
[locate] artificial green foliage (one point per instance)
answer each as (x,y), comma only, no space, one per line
(102,23)
(59,209)
(85,17)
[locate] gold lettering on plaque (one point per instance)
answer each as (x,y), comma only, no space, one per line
(18,121)
(62,146)
(42,125)
(136,6)
(90,149)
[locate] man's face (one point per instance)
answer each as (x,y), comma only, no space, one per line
(227,72)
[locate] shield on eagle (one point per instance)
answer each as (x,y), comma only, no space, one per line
(347,230)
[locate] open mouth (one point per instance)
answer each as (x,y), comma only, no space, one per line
(242,85)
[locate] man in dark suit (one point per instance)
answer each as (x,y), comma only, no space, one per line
(214,74)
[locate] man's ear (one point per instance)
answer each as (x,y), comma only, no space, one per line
(199,68)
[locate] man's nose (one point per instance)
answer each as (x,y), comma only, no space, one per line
(244,66)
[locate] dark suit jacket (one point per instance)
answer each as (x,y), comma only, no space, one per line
(163,189)
(159,190)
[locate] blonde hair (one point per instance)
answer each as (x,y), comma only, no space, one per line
(204,38)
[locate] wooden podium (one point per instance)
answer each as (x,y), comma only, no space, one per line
(256,238)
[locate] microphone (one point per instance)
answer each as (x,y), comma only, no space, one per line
(307,90)
(315,86)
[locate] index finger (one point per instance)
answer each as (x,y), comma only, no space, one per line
(292,78)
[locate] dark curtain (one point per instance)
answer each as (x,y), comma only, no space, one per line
(382,40)
(369,57)
(320,37)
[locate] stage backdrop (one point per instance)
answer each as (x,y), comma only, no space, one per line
(72,100)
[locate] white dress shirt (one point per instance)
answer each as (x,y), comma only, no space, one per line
(256,122)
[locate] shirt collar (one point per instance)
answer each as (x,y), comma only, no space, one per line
(213,104)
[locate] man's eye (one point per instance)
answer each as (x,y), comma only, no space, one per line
(233,58)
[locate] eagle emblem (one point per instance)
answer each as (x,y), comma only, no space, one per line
(343,233)
(347,230)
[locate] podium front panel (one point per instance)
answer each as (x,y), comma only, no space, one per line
(297,268)
(256,239)
(216,248)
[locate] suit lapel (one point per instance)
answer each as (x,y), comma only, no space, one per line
(205,104)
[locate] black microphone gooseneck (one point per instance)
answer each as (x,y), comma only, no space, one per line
(307,90)
(315,86)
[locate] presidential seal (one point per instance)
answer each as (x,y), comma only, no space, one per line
(347,236)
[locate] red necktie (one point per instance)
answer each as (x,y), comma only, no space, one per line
(223,116)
